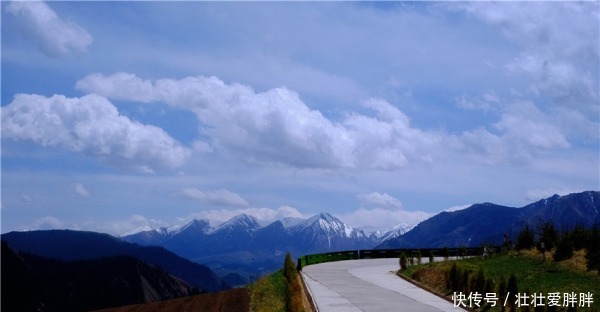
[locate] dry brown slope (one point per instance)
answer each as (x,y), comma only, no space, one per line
(235,300)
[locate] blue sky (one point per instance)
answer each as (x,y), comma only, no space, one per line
(125,115)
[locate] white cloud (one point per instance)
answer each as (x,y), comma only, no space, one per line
(46,223)
(457,208)
(523,132)
(54,36)
(118,86)
(265,215)
(91,125)
(220,197)
(26,198)
(276,126)
(81,190)
(560,41)
(523,123)
(538,194)
(382,217)
(486,102)
(376,199)
(135,223)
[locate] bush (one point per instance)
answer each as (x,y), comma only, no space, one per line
(593,250)
(294,292)
(580,237)
(480,282)
(403,261)
(548,235)
(512,289)
(564,248)
(525,239)
(445,253)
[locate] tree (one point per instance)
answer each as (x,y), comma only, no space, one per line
(419,257)
(403,261)
(512,289)
(445,253)
(548,234)
(526,238)
(592,254)
(564,248)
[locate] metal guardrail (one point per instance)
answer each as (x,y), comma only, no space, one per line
(388,253)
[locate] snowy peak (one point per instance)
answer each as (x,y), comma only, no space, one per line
(327,223)
(196,225)
(291,221)
(242,221)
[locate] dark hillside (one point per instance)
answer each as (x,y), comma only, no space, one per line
(78,245)
(487,223)
(33,283)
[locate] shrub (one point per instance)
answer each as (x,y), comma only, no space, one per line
(564,248)
(548,234)
(294,292)
(479,282)
(445,253)
(525,239)
(512,289)
(403,261)
(593,250)
(502,290)
(419,257)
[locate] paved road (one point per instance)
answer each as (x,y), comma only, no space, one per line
(367,285)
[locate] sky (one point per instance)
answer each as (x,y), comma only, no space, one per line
(119,116)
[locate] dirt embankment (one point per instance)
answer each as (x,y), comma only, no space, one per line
(235,300)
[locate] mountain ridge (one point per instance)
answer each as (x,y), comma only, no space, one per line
(69,245)
(487,222)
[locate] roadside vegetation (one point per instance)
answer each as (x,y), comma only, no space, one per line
(569,265)
(280,291)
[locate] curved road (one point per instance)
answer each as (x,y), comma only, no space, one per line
(367,285)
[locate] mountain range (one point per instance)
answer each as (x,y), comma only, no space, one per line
(241,249)
(34,283)
(487,222)
(67,245)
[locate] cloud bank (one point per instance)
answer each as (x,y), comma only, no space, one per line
(93,126)
(54,36)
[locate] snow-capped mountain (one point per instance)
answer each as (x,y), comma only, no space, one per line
(242,222)
(243,246)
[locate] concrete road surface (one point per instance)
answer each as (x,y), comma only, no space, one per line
(367,285)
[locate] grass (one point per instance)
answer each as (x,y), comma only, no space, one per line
(532,273)
(268,294)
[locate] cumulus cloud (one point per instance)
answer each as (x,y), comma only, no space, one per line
(523,132)
(276,126)
(54,36)
(220,197)
(91,125)
(265,215)
(525,124)
(558,67)
(46,223)
(81,190)
(457,208)
(560,41)
(383,217)
(486,102)
(376,199)
(119,86)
